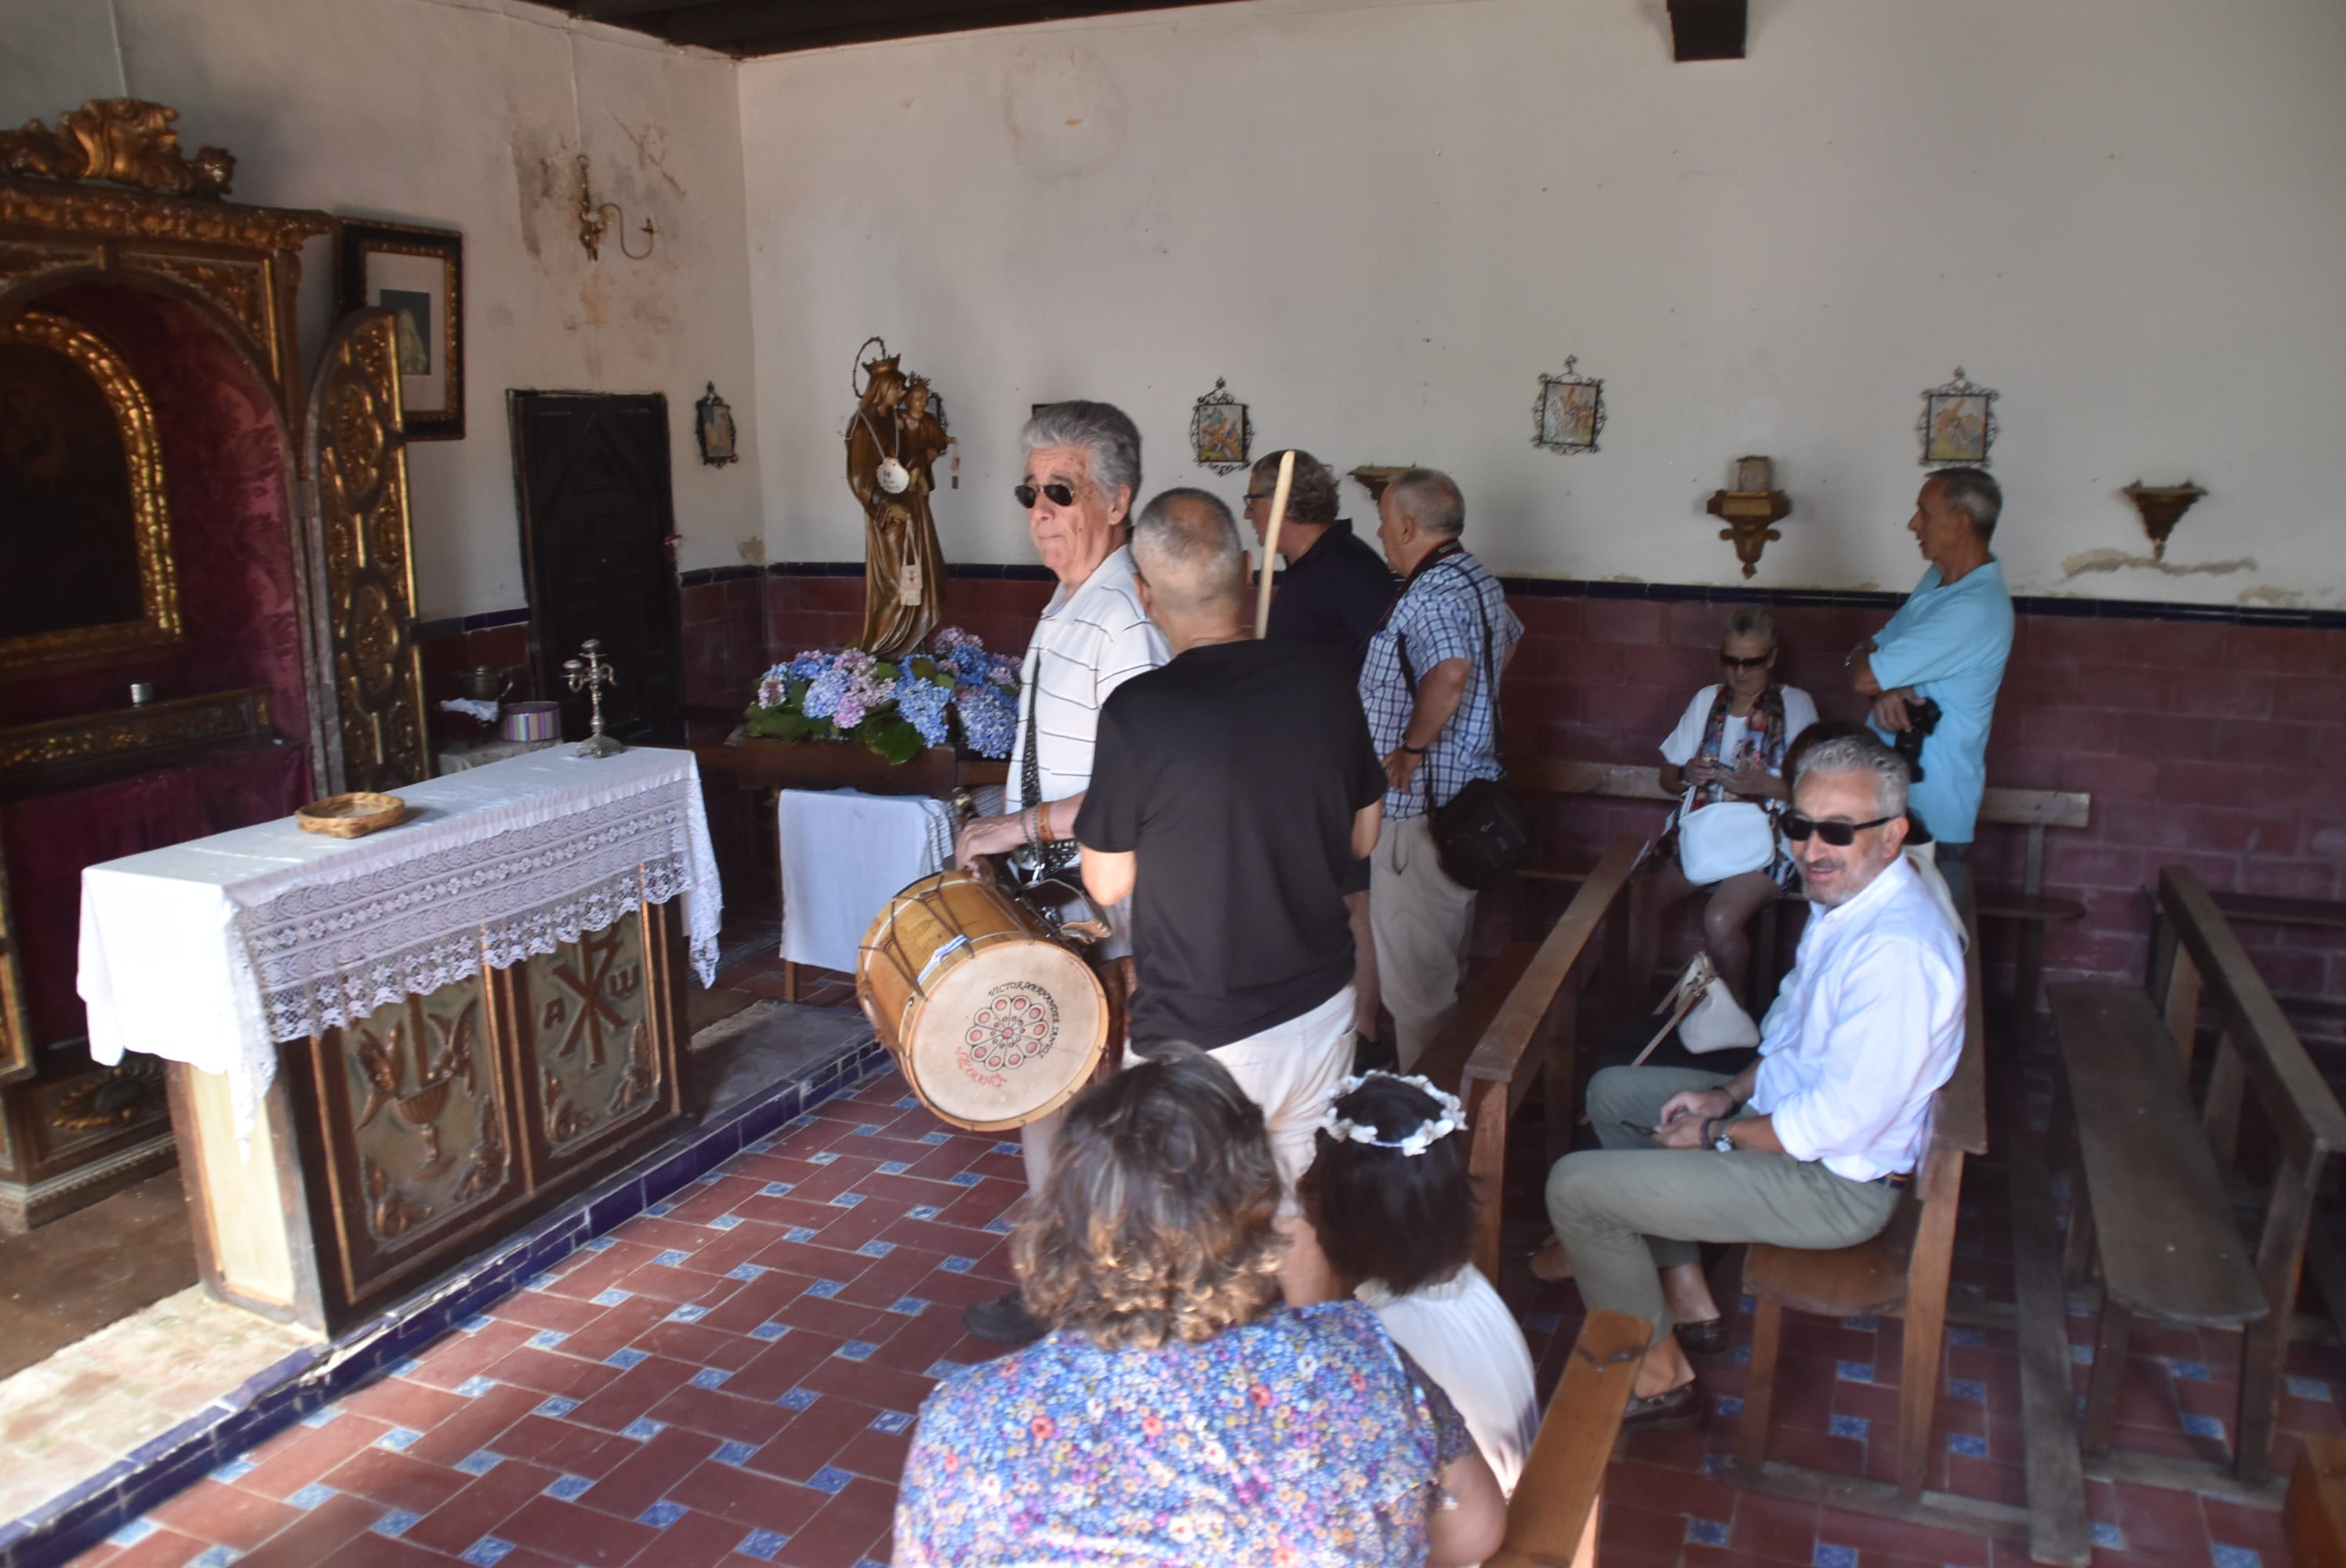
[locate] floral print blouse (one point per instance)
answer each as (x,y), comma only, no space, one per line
(1304,1439)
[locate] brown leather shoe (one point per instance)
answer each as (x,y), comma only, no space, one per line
(1550,1264)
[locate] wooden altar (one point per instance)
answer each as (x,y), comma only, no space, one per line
(411,1122)
(188,517)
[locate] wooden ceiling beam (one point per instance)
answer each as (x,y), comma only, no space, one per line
(751,27)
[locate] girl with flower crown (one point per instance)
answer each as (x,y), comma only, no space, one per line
(1389,1197)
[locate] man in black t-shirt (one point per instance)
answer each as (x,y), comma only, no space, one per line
(1337,588)
(1334,593)
(1232,790)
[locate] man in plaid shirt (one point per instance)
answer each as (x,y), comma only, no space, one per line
(1430,689)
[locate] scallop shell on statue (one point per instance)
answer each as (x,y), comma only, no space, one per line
(894,477)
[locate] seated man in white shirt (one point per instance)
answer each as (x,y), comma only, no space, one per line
(1808,1145)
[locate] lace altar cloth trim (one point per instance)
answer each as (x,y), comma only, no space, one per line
(211,952)
(324,955)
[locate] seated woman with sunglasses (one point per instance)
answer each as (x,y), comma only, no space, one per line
(1728,751)
(1808,1145)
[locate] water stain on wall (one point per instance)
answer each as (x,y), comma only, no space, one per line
(545,171)
(2107,560)
(1065,114)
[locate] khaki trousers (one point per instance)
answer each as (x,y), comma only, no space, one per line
(1629,1210)
(1420,920)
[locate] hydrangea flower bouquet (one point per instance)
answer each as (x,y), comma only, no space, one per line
(895,708)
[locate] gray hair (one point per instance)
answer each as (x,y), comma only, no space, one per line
(1187,544)
(1973,493)
(1311,498)
(1429,497)
(1753,621)
(1101,429)
(1860,754)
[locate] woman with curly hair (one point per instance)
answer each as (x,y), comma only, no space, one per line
(1178,1412)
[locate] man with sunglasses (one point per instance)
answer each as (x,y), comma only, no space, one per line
(1807,1146)
(1083,471)
(1933,670)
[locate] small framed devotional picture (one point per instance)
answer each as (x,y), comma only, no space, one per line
(1569,412)
(1958,423)
(417,274)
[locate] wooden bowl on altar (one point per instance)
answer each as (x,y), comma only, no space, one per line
(352,816)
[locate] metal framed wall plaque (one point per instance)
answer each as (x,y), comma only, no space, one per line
(1220,436)
(1569,411)
(1957,425)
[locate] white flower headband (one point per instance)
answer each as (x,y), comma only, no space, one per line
(1449,1118)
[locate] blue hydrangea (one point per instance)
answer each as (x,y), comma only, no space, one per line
(923,704)
(969,661)
(808,664)
(823,692)
(989,718)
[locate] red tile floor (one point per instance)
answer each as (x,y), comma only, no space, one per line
(733,1378)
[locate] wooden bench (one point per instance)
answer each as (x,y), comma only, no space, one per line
(2152,1205)
(2031,811)
(1902,1272)
(1485,1054)
(1552,1519)
(2314,1515)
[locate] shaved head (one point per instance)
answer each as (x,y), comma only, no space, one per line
(1186,545)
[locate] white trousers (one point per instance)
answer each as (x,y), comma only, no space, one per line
(1420,919)
(1290,1069)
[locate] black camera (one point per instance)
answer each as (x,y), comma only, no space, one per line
(1921,717)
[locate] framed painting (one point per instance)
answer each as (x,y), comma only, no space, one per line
(1220,436)
(1570,411)
(1958,424)
(418,275)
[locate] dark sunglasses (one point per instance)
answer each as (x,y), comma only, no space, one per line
(1060,494)
(1732,662)
(1840,835)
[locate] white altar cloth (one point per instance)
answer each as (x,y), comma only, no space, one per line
(211,952)
(845,855)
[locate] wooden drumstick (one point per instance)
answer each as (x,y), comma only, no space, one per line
(1271,540)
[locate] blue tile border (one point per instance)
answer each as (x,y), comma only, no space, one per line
(303,1383)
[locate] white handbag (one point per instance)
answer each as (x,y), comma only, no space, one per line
(1703,1013)
(1725,840)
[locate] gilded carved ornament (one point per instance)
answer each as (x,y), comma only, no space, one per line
(122,141)
(142,452)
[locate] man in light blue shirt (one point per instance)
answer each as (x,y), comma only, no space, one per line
(1933,672)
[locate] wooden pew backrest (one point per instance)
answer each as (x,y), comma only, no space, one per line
(1552,1519)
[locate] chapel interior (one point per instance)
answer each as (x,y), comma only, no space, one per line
(363,360)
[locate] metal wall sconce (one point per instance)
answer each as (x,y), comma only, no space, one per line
(592,224)
(1750,510)
(712,422)
(2162,507)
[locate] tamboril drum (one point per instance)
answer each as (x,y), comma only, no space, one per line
(993,1020)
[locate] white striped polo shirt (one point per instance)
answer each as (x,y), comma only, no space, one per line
(1088,643)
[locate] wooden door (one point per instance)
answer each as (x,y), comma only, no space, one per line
(596,517)
(358,463)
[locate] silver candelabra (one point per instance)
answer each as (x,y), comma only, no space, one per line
(591,674)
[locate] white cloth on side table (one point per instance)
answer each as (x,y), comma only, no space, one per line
(845,855)
(211,951)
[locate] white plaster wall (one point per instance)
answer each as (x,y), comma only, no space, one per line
(467,115)
(1380,221)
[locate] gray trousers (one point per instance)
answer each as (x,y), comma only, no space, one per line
(1629,1210)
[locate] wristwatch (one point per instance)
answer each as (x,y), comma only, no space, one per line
(1722,1143)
